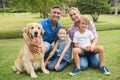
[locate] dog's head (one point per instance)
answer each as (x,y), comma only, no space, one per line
(34,31)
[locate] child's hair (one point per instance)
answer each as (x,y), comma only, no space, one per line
(74,8)
(62,27)
(86,19)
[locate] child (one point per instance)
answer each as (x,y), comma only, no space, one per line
(64,49)
(83,46)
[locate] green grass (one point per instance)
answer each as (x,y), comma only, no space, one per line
(11,24)
(9,49)
(16,21)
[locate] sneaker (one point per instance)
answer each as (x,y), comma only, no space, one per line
(74,71)
(104,70)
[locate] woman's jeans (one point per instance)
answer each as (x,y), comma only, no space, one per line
(87,60)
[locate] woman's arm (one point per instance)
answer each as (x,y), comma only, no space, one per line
(92,28)
(76,45)
(94,32)
(94,42)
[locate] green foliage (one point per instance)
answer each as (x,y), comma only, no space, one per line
(34,6)
(112,9)
(93,7)
(5,10)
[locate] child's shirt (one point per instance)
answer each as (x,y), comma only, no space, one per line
(75,28)
(83,39)
(61,46)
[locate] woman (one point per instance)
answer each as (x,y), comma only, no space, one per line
(85,60)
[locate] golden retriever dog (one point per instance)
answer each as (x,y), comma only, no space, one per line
(28,61)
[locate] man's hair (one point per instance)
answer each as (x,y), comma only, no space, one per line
(55,6)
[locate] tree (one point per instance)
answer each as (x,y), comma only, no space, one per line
(116,7)
(93,7)
(34,6)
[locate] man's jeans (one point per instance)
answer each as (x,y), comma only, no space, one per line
(49,48)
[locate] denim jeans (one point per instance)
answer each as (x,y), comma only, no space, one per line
(87,60)
(49,48)
(51,64)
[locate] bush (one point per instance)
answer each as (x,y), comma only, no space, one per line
(7,10)
(18,11)
(10,34)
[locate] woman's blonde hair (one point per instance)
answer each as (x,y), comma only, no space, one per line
(74,8)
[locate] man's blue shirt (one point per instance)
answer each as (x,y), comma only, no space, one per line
(49,34)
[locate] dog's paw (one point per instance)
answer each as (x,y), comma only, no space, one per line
(33,75)
(18,72)
(46,71)
(14,68)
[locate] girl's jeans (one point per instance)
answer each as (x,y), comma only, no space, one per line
(51,64)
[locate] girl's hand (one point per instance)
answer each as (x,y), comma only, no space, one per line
(57,67)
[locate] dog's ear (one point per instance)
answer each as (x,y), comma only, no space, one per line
(41,30)
(26,28)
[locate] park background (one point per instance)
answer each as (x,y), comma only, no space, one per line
(15,15)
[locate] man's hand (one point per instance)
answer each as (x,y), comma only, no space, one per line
(33,48)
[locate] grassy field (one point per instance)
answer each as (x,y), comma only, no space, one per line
(9,49)
(12,24)
(17,21)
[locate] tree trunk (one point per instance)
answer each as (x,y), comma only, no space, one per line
(116,7)
(95,16)
(3,4)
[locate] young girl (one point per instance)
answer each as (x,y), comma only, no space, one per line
(63,48)
(83,40)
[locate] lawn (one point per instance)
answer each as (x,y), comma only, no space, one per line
(11,24)
(9,49)
(16,21)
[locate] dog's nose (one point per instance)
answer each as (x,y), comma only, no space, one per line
(36,34)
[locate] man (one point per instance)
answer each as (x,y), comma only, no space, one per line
(50,26)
